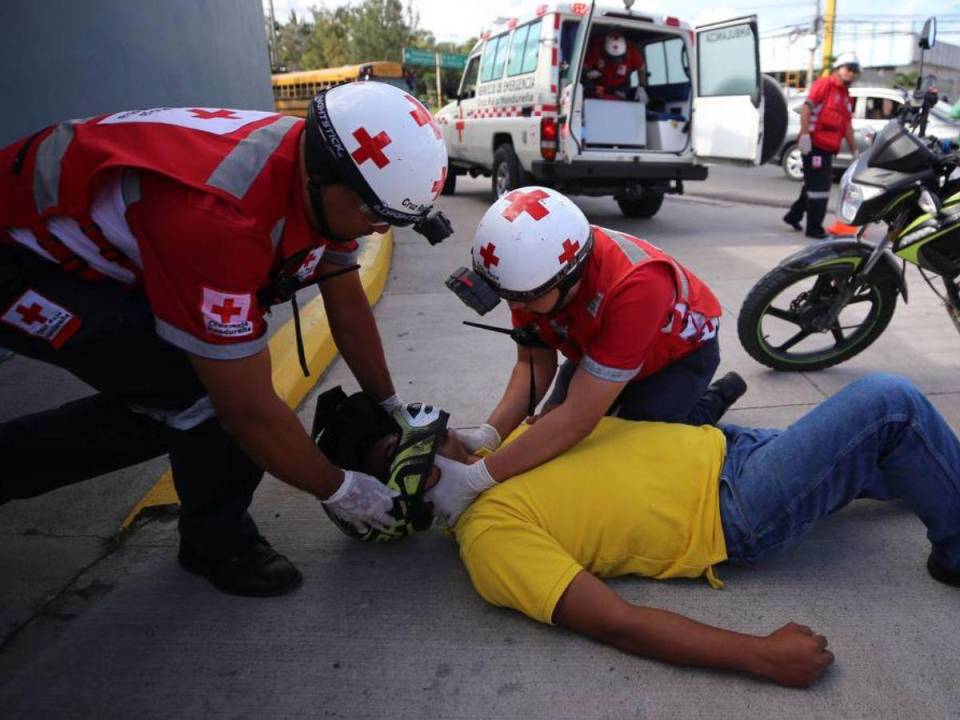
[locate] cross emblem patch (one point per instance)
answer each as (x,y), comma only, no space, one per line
(371,148)
(423,117)
(569,251)
(438,184)
(526,202)
(489,258)
(202,114)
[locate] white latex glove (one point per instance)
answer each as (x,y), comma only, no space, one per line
(391,403)
(485,436)
(459,486)
(805,144)
(362,500)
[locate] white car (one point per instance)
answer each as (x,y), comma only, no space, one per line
(873,108)
(521,116)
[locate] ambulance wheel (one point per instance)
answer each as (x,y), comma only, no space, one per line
(507,173)
(450,184)
(644,206)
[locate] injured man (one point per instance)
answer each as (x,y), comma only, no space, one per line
(667,500)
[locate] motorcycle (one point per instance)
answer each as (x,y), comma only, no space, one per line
(829,302)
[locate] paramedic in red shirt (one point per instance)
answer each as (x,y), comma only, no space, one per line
(825,121)
(639,332)
(141,251)
(608,65)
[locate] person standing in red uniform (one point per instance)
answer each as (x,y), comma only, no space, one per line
(609,62)
(825,121)
(141,250)
(638,329)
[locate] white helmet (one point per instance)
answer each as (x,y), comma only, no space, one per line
(380,141)
(615,45)
(848,59)
(530,241)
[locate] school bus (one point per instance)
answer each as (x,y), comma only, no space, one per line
(293,91)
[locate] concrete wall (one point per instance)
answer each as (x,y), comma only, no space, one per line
(67,59)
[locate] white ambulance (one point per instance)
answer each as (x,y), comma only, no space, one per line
(526,112)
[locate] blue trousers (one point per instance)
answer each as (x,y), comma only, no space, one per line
(878,438)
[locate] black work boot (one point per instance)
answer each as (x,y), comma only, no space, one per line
(940,573)
(721,395)
(258,571)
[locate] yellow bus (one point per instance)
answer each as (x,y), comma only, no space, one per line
(293,91)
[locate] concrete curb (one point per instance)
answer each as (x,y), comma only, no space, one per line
(288,379)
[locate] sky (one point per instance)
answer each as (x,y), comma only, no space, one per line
(458,21)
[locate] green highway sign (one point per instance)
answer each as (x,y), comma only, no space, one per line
(416,56)
(453,62)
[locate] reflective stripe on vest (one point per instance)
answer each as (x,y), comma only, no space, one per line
(46,175)
(240,167)
(636,254)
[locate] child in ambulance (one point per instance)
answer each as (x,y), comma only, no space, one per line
(609,63)
(665,500)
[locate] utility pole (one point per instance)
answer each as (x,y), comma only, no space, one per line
(828,25)
(814,42)
(439,93)
(274,55)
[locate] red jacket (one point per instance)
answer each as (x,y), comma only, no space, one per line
(614,73)
(832,112)
(592,331)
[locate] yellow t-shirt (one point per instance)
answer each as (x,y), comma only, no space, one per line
(632,498)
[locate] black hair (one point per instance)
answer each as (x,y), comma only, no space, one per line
(345,428)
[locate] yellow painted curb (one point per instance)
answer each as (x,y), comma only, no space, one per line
(288,379)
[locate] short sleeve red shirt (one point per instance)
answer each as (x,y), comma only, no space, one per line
(627,344)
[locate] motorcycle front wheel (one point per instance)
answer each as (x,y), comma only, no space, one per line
(782,320)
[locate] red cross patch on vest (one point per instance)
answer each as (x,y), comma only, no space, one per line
(226,314)
(36,315)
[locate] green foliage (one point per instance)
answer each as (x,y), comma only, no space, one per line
(365,31)
(907,79)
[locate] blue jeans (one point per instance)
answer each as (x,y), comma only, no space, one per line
(878,438)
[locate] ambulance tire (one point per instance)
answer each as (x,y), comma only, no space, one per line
(645,206)
(450,184)
(507,173)
(774,118)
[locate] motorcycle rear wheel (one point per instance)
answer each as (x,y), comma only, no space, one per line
(787,302)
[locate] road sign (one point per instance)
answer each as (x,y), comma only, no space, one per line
(448,61)
(453,62)
(416,56)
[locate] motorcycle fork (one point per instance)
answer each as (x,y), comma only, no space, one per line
(952,303)
(856,281)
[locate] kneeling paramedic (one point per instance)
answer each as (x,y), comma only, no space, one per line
(638,329)
(141,252)
(667,500)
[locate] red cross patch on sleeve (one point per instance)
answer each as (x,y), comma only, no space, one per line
(226,314)
(36,315)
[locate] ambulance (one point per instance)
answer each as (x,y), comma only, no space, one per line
(528,110)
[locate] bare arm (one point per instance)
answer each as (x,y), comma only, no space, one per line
(588,399)
(793,655)
(270,433)
(515,403)
(852,141)
(805,112)
(355,332)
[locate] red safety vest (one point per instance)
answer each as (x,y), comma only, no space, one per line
(247,158)
(831,117)
(614,257)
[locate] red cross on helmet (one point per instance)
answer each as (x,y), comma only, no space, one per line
(530,241)
(382,142)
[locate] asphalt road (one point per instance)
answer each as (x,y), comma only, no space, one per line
(106,631)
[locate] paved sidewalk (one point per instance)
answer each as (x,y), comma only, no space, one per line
(397,631)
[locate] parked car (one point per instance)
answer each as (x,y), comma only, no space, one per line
(873,107)
(523,114)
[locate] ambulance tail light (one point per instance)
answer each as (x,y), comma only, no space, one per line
(672,21)
(548,138)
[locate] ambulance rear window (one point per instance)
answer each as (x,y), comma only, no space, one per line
(524,49)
